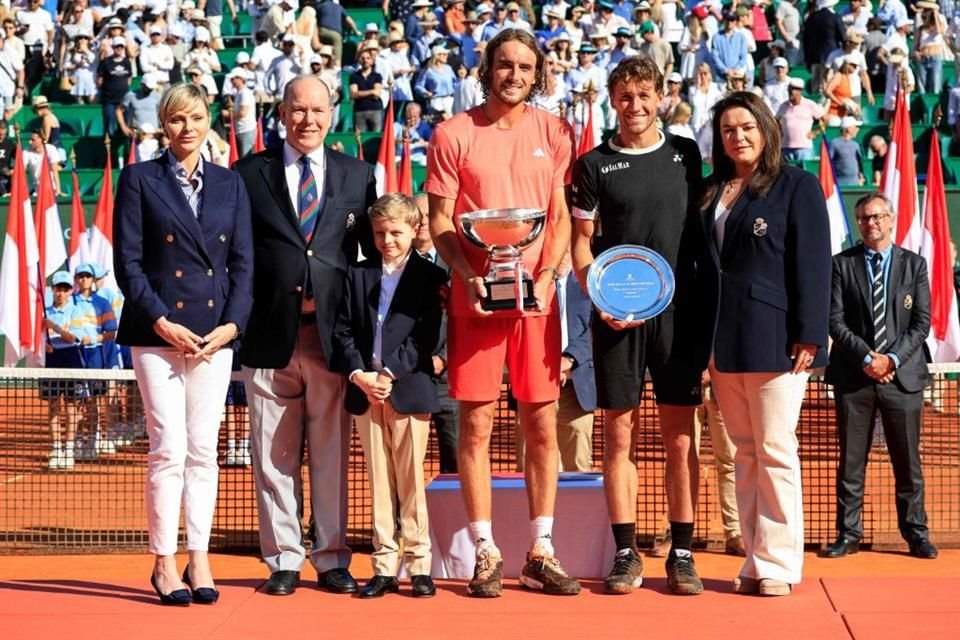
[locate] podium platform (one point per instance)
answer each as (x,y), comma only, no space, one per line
(581,530)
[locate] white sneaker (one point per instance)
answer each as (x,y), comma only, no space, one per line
(67,459)
(55,459)
(233,459)
(244,457)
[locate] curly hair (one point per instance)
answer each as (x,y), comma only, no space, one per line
(485,72)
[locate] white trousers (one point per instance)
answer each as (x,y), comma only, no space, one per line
(761,412)
(183,401)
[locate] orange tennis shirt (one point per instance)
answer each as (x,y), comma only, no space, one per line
(480,166)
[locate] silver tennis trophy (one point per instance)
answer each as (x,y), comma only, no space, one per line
(504,234)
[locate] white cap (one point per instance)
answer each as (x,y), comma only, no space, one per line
(156,30)
(371,26)
(238,72)
(201,34)
(316,59)
(146,127)
(675,77)
(903,22)
(780,62)
(188,4)
(243,57)
(439,49)
(823,4)
(288,38)
(175,30)
(847,122)
(119,41)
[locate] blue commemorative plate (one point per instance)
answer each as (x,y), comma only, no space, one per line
(631,282)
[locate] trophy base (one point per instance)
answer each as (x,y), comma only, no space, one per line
(502,296)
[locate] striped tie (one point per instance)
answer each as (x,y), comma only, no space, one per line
(879,308)
(309,201)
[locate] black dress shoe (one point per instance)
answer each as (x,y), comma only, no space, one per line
(379,586)
(923,548)
(178,598)
(282,583)
(842,547)
(201,595)
(422,586)
(337,581)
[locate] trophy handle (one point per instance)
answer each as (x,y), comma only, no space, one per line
(518,285)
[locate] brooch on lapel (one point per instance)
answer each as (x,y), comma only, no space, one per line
(351,221)
(759,227)
(908,301)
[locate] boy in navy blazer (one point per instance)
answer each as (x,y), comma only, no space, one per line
(385,335)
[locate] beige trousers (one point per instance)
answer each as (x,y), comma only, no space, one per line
(761,412)
(395,446)
(723,455)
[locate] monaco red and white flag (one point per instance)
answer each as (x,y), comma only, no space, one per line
(53,251)
(101,234)
(405,178)
(944,338)
(79,251)
(386,169)
(587,143)
(19,273)
(839,229)
(899,182)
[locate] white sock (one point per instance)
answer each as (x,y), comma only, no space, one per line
(482,531)
(541,529)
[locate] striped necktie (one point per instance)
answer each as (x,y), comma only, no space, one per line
(309,200)
(879,307)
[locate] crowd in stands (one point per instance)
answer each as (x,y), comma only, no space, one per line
(816,63)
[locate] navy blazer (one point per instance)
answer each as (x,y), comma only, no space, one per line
(410,332)
(579,309)
(195,271)
(851,319)
(287,265)
(767,289)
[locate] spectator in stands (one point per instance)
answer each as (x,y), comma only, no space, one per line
(572,26)
(180,327)
(284,68)
(898,37)
(777,89)
(419,131)
(839,91)
(899,73)
(102,10)
(11,74)
(846,155)
(140,107)
(496,24)
(679,123)
(183,22)
(157,56)
(454,18)
(397,61)
(703,95)
(79,66)
(671,98)
(586,73)
(878,147)
(278,19)
(729,49)
(76,17)
(873,52)
(600,40)
(656,48)
(60,321)
(329,72)
(745,26)
(148,147)
(420,49)
(796,117)
(856,15)
(515,20)
(49,124)
(37,31)
(564,55)
(694,48)
(264,53)
(553,28)
(332,18)
(622,49)
(365,85)
(201,54)
(196,76)
(553,99)
(179,49)
(891,12)
(214,12)
(411,23)
(736,81)
(33,158)
(8,148)
(643,12)
(113,81)
(860,82)
(305,31)
(671,26)
(244,112)
(469,93)
(437,83)
(930,47)
(766,70)
(823,31)
(584,101)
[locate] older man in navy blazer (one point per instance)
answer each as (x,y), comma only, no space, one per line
(309,207)
(879,320)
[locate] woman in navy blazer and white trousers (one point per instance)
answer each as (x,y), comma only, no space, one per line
(759,319)
(184,262)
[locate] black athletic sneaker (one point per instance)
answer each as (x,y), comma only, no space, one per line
(682,575)
(627,572)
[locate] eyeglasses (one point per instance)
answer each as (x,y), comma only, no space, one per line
(875,218)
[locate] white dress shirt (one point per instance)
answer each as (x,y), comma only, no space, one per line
(389,279)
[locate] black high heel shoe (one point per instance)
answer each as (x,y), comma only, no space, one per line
(201,595)
(178,598)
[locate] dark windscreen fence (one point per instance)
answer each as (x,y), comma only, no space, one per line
(93,501)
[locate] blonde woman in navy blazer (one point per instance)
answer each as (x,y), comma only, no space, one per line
(759,318)
(183,260)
